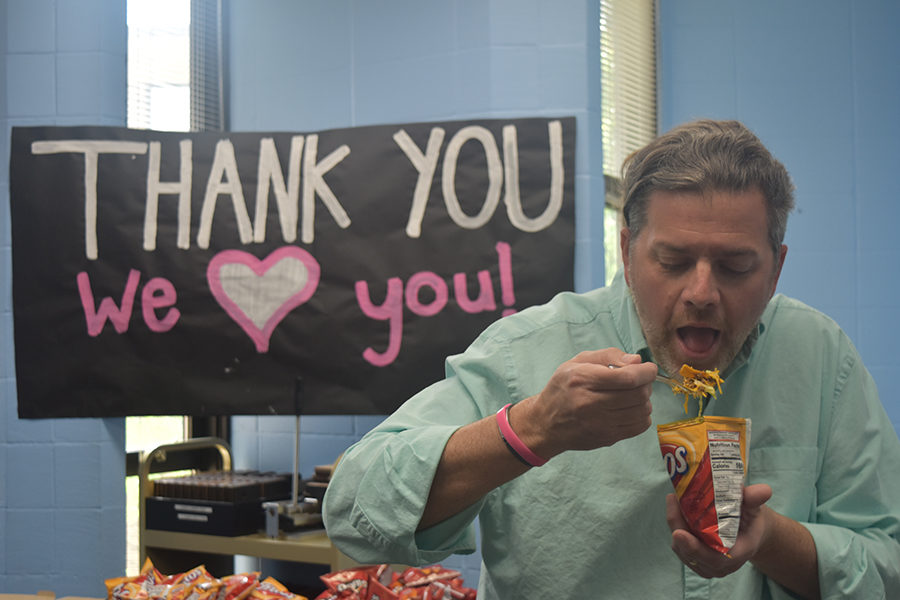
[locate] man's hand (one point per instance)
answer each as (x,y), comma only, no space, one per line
(711,563)
(779,547)
(586,404)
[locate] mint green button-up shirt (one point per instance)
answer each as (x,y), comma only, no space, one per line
(592,524)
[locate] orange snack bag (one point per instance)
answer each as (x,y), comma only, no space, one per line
(205,590)
(706,459)
(135,588)
(272,589)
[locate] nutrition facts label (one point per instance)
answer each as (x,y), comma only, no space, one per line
(728,479)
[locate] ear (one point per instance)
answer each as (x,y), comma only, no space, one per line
(624,242)
(782,253)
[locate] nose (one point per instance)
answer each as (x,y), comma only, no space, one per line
(701,289)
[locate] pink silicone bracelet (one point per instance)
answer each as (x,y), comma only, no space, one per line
(516,445)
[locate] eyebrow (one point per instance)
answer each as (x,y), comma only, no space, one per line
(727,252)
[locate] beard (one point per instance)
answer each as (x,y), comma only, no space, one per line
(662,340)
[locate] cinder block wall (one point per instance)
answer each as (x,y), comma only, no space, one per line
(62,494)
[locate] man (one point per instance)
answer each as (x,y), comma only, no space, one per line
(706,208)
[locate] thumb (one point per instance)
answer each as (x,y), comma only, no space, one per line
(756,495)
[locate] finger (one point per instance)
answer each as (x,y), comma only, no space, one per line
(599,378)
(756,495)
(628,359)
(625,377)
(700,558)
(688,548)
(608,356)
(684,542)
(673,513)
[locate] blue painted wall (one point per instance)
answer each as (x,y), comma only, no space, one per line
(62,498)
(819,83)
(817,80)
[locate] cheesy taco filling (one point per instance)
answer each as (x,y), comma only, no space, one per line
(697,384)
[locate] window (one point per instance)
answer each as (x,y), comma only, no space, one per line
(628,100)
(158,64)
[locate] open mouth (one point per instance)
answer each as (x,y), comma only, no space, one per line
(698,341)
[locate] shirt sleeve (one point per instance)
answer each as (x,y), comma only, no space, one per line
(375,500)
(378,492)
(857,524)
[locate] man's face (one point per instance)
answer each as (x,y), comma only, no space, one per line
(701,272)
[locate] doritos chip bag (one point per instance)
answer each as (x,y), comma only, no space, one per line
(706,458)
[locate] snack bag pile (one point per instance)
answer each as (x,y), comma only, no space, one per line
(196,584)
(706,458)
(377,583)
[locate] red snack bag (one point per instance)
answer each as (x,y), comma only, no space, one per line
(396,582)
(452,590)
(413,576)
(459,584)
(356,579)
(706,459)
(437,591)
(378,591)
(238,586)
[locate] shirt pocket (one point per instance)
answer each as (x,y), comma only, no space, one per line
(791,471)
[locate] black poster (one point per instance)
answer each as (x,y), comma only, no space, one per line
(267,273)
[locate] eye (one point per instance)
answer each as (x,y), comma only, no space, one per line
(673,266)
(736,267)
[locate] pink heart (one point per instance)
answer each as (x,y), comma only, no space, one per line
(258,294)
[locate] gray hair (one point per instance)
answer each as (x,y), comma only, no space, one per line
(703,156)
